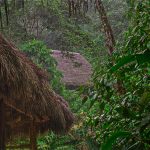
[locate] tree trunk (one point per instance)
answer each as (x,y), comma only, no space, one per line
(110,41)
(6,12)
(2,125)
(70,7)
(1,19)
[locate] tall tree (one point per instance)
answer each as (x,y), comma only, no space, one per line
(110,40)
(6,11)
(1,19)
(77,4)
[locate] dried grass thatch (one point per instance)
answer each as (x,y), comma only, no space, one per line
(27,95)
(76,70)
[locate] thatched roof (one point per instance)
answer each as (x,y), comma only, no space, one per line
(76,70)
(26,92)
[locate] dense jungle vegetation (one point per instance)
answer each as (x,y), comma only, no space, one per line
(114,36)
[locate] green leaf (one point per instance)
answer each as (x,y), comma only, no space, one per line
(148,45)
(122,62)
(140,58)
(112,139)
(92,102)
(84,99)
(92,144)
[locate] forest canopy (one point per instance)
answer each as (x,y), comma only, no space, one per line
(113,113)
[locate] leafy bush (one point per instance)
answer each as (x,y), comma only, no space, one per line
(119,116)
(41,55)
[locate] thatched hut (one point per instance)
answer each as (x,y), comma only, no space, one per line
(28,105)
(76,70)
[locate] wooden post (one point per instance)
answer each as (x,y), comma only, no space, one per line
(2,125)
(33,135)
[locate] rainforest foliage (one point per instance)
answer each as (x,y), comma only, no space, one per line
(114,36)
